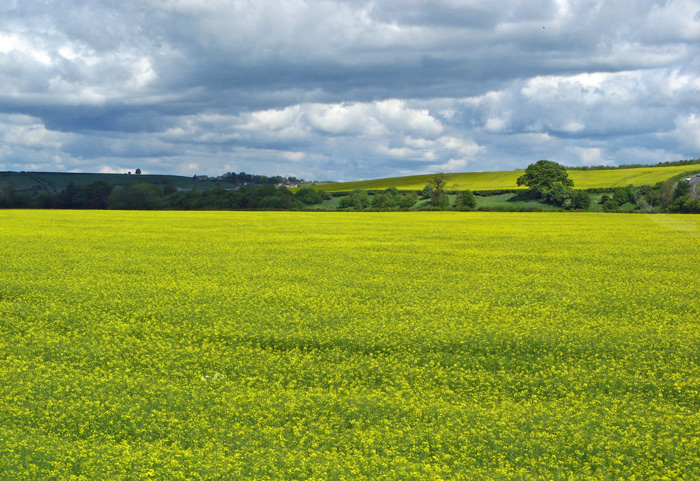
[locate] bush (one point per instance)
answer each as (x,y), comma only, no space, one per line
(610,205)
(465,199)
(357,200)
(409,200)
(623,195)
(686,205)
(384,201)
(682,189)
(309,196)
(580,200)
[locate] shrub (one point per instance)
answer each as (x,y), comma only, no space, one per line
(465,199)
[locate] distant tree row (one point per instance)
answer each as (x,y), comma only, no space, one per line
(547,181)
(146,196)
(244,179)
(92,196)
(634,166)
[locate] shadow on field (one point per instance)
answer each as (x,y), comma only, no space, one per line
(525,196)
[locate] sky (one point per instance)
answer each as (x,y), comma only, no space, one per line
(346,89)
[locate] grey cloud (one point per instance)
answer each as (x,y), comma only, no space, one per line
(108,75)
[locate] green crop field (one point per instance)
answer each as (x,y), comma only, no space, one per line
(583,179)
(333,345)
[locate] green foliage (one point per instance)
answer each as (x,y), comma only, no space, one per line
(139,196)
(438,197)
(610,205)
(682,189)
(308,196)
(623,195)
(686,205)
(169,189)
(465,199)
(408,200)
(392,191)
(92,196)
(384,201)
(427,191)
(357,200)
(580,200)
(562,196)
(543,176)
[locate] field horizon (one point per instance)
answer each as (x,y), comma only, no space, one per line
(484,181)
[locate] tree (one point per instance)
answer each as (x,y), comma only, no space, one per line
(409,200)
(682,189)
(465,199)
(358,200)
(543,175)
(138,172)
(92,196)
(137,197)
(580,200)
(67,196)
(308,195)
(439,196)
(623,195)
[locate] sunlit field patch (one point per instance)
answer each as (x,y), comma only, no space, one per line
(426,345)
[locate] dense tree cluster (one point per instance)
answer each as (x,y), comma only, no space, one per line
(146,196)
(92,196)
(389,199)
(549,181)
(250,179)
(543,176)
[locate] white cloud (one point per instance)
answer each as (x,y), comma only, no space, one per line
(347,89)
(591,156)
(28,132)
(688,130)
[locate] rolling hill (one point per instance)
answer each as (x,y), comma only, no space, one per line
(583,179)
(57,181)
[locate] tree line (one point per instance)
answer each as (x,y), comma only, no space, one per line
(147,196)
(547,182)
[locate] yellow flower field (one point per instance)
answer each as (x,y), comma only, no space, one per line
(418,345)
(583,179)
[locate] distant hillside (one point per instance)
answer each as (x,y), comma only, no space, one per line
(583,179)
(57,181)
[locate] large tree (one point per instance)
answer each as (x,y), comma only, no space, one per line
(541,177)
(439,194)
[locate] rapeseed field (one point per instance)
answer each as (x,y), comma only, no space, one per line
(583,179)
(420,345)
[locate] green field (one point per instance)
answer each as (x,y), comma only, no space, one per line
(583,179)
(337,345)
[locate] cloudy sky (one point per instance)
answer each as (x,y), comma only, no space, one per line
(346,89)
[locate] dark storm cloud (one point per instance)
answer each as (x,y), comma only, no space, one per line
(346,89)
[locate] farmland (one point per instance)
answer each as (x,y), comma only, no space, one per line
(338,345)
(583,179)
